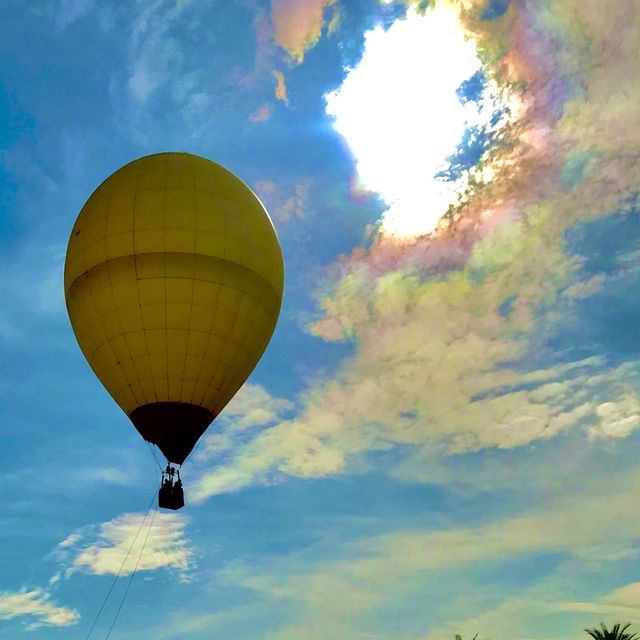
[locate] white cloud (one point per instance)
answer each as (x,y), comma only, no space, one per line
(105,551)
(36,604)
(618,418)
(70,540)
(253,406)
(402,118)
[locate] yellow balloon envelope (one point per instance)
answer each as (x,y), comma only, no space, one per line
(173,282)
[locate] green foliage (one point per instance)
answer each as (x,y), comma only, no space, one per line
(617,632)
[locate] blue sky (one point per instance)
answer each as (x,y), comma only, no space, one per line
(442,435)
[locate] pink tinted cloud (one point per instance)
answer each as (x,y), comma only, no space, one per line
(262,114)
(281,87)
(298,24)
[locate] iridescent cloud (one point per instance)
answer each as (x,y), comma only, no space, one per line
(298,24)
(445,324)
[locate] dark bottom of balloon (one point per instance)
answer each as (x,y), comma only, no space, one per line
(174,427)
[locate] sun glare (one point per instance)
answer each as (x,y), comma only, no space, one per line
(399,113)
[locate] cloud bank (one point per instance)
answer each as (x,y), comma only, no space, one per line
(450,328)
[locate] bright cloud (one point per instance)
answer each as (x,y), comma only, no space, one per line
(617,419)
(166,546)
(400,114)
(38,606)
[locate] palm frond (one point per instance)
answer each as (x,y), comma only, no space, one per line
(617,632)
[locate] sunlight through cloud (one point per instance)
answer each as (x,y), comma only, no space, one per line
(399,111)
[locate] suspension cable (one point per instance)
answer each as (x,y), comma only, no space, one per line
(124,597)
(113,584)
(152,450)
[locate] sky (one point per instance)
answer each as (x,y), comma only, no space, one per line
(442,435)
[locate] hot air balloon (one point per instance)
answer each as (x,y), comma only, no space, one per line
(173,283)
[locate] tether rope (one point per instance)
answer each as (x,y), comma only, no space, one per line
(124,597)
(113,584)
(152,450)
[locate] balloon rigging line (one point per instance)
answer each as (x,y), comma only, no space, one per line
(113,584)
(124,597)
(151,448)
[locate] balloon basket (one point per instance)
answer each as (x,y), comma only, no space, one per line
(171,494)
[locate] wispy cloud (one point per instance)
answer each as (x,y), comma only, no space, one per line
(104,551)
(156,55)
(108,475)
(254,406)
(284,203)
(261,114)
(69,11)
(37,606)
(32,287)
(385,573)
(623,603)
